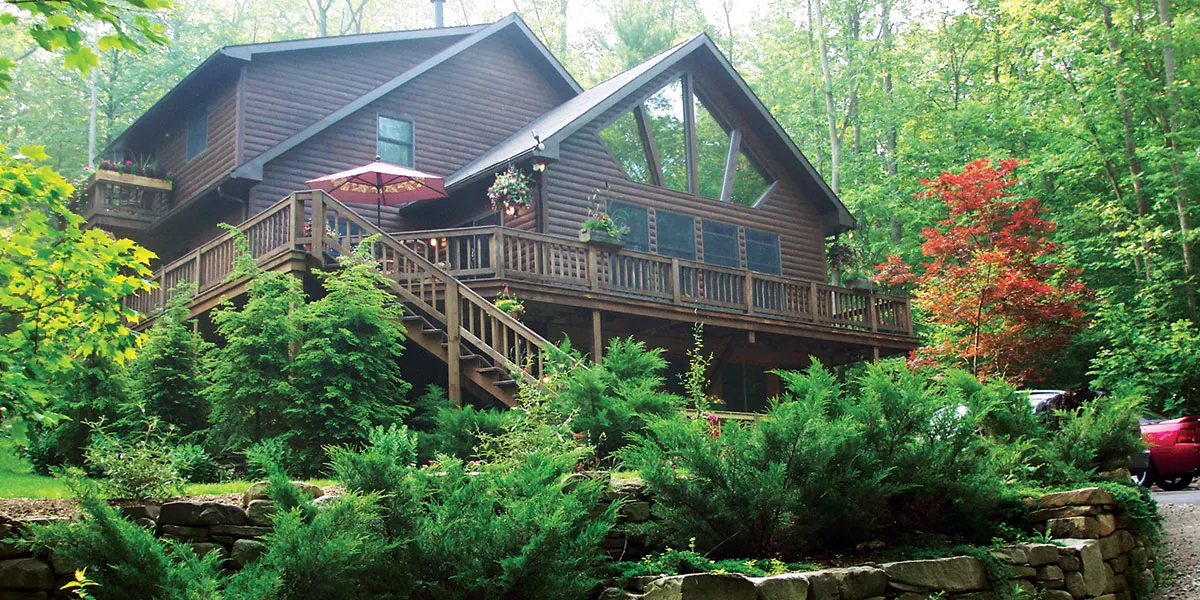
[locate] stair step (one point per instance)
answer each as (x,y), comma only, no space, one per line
(488,370)
(464,357)
(432,331)
(506,383)
(412,318)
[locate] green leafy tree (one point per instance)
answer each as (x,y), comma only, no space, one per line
(60,289)
(59,27)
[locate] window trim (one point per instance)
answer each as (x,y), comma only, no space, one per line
(412,145)
(187,150)
(778,249)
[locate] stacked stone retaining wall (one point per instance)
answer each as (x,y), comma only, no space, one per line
(1092,555)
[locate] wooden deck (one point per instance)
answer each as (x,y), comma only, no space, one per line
(569,272)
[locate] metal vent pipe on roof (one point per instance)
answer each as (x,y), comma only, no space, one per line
(438,18)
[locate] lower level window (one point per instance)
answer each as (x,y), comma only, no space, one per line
(744,388)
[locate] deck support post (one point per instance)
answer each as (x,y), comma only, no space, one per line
(875,354)
(597,338)
(453,344)
(318,226)
(873,314)
(498,252)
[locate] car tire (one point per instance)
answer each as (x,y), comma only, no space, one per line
(1146,478)
(1174,483)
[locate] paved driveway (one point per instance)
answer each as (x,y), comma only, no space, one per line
(1188,496)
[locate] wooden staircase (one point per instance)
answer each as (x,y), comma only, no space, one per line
(480,344)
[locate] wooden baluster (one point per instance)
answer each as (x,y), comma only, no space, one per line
(748,291)
(812,301)
(453,343)
(498,250)
(318,226)
(593,268)
(872,312)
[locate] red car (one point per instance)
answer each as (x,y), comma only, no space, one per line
(1174,453)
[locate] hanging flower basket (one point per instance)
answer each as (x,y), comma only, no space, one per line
(512,191)
(509,303)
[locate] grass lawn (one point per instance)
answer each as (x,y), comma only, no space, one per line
(17,480)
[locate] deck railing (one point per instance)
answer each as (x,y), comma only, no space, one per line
(132,198)
(508,254)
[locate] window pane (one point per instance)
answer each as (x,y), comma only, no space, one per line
(712,148)
(676,234)
(197,135)
(755,386)
(625,144)
(397,154)
(749,183)
(762,252)
(721,244)
(636,218)
(665,111)
(733,392)
(395,130)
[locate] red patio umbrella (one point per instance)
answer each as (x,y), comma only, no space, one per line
(381,183)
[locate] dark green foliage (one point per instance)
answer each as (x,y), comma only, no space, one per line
(167,376)
(266,456)
(455,431)
(195,464)
(310,374)
(824,469)
(97,393)
(136,465)
(1138,504)
(609,401)
(683,562)
(338,551)
(125,559)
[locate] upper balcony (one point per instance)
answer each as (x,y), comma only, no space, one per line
(115,200)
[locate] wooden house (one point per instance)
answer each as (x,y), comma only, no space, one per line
(727,219)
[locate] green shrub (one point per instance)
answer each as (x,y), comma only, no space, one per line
(608,402)
(167,376)
(195,464)
(311,374)
(96,393)
(125,559)
(137,466)
(683,562)
(825,469)
(267,456)
(1099,436)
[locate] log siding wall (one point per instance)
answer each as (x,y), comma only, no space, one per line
(290,91)
(459,110)
(586,165)
(219,155)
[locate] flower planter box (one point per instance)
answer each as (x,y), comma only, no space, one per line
(131,179)
(601,240)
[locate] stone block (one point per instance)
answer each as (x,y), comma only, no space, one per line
(1093,496)
(1069,563)
(1075,527)
(1108,524)
(1013,555)
(626,487)
(1044,514)
(1056,595)
(1050,573)
(147,524)
(258,512)
(204,548)
(246,551)
(200,514)
(1073,582)
(1094,571)
(141,511)
(26,574)
(1119,564)
(614,593)
(1110,547)
(1024,571)
(240,531)
(977,596)
(790,586)
(851,583)
(957,574)
(1041,554)
(701,586)
(636,512)
(183,532)
(1126,541)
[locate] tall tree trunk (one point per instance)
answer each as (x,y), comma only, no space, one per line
(562,34)
(890,136)
(835,142)
(1135,163)
(1181,192)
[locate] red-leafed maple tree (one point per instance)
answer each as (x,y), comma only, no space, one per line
(994,297)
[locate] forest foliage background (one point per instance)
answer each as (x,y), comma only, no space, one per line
(1096,96)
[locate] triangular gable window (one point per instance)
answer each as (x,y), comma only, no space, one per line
(674,140)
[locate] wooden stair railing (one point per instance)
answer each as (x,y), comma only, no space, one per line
(449,307)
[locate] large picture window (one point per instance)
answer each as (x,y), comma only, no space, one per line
(762,252)
(675,139)
(721,245)
(676,234)
(197,132)
(394,141)
(637,219)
